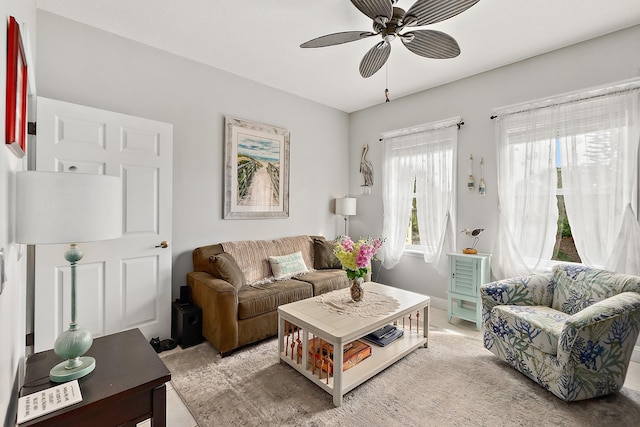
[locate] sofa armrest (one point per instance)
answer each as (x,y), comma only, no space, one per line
(218,300)
(598,331)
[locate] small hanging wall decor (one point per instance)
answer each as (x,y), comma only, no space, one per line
(481,188)
(471,182)
(366,169)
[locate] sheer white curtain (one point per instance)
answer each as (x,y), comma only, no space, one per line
(527,206)
(599,141)
(398,175)
(434,196)
(424,155)
(597,133)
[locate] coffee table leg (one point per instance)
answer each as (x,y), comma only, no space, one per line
(281,322)
(337,374)
(426,320)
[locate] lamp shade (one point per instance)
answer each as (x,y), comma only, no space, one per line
(57,207)
(346,206)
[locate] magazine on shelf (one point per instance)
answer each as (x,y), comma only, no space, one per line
(384,336)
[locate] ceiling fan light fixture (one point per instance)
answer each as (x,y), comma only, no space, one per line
(407,38)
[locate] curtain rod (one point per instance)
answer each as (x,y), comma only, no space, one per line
(613,91)
(459,124)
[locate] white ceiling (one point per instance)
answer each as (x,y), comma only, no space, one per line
(259,39)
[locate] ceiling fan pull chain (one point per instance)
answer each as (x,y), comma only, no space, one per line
(386,90)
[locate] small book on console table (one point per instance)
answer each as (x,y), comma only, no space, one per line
(40,403)
(353,353)
(384,336)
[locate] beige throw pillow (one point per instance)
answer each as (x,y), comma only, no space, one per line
(287,266)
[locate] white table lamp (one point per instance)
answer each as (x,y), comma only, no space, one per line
(57,207)
(346,206)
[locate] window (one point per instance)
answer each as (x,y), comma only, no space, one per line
(567,172)
(413,231)
(418,193)
(565,247)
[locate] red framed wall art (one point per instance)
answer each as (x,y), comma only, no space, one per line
(16,117)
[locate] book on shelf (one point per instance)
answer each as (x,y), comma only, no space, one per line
(383,332)
(352,354)
(384,336)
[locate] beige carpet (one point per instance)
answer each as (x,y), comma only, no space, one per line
(454,382)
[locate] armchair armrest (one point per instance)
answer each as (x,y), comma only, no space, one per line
(601,330)
(218,300)
(535,289)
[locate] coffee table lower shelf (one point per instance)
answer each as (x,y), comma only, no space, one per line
(380,359)
(302,321)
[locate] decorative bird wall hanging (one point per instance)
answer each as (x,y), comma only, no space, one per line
(366,168)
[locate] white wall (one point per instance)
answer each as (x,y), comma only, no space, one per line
(13,297)
(606,59)
(83,65)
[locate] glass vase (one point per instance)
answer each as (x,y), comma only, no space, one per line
(357,289)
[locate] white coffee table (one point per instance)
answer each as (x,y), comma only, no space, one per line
(339,329)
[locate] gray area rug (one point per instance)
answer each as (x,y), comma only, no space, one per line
(453,382)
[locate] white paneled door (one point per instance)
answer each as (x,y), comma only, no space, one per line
(123,283)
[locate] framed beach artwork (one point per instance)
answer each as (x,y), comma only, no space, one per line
(256,170)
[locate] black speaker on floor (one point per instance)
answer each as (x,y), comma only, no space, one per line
(186,324)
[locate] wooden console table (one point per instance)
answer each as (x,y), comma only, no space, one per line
(127,386)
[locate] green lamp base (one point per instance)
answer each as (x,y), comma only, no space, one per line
(60,373)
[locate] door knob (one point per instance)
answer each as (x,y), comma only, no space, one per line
(164,244)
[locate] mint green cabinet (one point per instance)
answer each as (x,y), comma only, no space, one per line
(466,274)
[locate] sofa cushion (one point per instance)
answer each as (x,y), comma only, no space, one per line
(323,256)
(258,299)
(253,255)
(224,267)
(538,326)
(577,286)
(287,266)
(325,281)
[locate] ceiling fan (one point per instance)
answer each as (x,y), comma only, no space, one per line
(388,21)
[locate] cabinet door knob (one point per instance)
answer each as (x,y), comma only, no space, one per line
(164,244)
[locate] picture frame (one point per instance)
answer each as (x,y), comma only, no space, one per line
(16,99)
(256,170)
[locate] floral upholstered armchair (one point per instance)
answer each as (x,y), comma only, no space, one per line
(572,330)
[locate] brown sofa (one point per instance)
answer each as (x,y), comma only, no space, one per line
(234,285)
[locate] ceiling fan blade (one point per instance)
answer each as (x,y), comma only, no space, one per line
(374,59)
(431,44)
(337,38)
(425,12)
(377,10)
